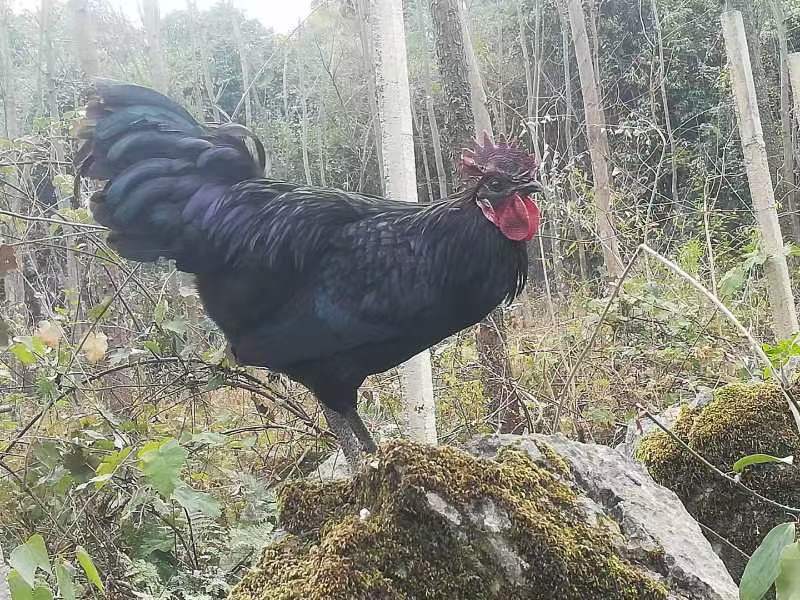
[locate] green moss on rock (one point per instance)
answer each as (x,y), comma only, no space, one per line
(405,549)
(741,419)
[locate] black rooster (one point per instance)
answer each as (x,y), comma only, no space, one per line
(323,285)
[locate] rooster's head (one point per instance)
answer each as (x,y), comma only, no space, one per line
(504,178)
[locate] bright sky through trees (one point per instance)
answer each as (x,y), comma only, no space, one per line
(279,15)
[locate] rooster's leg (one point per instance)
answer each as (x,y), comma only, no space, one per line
(362,433)
(347,440)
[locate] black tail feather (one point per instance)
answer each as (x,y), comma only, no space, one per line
(163,170)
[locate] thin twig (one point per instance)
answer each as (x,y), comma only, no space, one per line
(574,371)
(8,213)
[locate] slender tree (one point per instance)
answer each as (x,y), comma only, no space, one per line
(13,281)
(458,66)
(363,8)
(770,126)
(83,37)
(597,140)
(661,73)
(433,122)
(458,127)
(399,168)
(784,315)
(787,170)
(151,19)
(244,66)
(569,115)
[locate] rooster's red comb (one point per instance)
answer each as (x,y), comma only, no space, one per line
(504,157)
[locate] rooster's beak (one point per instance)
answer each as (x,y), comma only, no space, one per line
(532,187)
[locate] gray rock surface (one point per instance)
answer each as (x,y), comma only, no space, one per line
(655,528)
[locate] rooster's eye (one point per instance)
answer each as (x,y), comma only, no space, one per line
(495,185)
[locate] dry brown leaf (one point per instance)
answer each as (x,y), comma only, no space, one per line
(8,260)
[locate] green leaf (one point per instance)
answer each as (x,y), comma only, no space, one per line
(87,564)
(764,565)
(42,592)
(28,557)
(787,585)
(209,438)
(176,326)
(98,312)
(194,501)
(161,462)
(153,346)
(732,281)
(25,356)
(20,590)
(757,459)
(160,311)
(106,469)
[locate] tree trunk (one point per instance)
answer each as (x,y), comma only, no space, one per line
(321,142)
(201,54)
(787,171)
(593,6)
(285,87)
(394,109)
(458,127)
(533,79)
(569,113)
(13,281)
(755,156)
(151,19)
(662,84)
(427,86)
(769,123)
(424,150)
(72,286)
(303,118)
(480,111)
(466,116)
(363,8)
(244,67)
(597,141)
(85,44)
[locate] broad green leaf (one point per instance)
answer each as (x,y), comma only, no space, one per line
(194,501)
(19,588)
(28,557)
(757,459)
(764,565)
(161,462)
(732,281)
(175,325)
(25,356)
(106,469)
(787,585)
(87,564)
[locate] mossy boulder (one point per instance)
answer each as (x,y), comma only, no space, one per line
(441,523)
(741,419)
